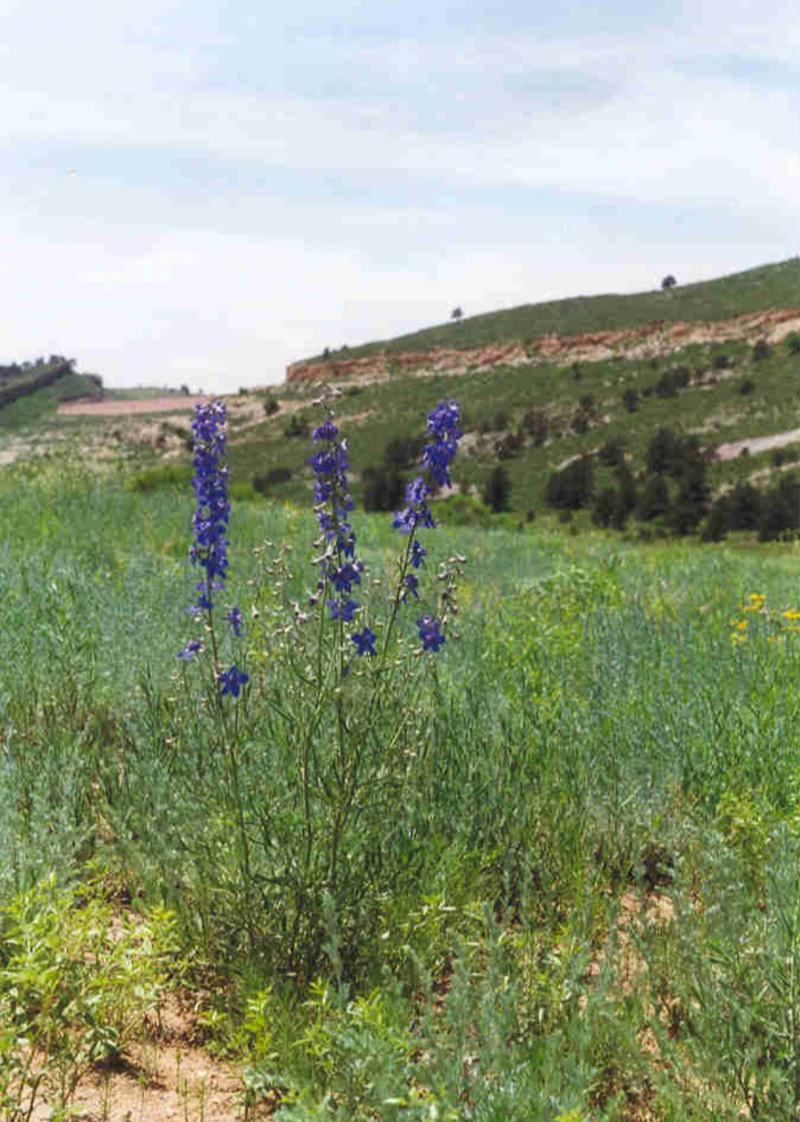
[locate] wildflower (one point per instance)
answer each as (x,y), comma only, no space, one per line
(418,554)
(429,633)
(231,681)
(346,576)
(364,641)
(436,459)
(333,504)
(791,614)
(234,618)
(344,610)
(190,650)
(411,587)
(209,547)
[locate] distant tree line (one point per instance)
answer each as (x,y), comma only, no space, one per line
(47,377)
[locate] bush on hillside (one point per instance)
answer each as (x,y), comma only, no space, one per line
(272,478)
(572,487)
(630,399)
(383,487)
(497,492)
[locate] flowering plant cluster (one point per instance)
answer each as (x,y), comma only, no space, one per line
(340,569)
(437,457)
(336,684)
(209,548)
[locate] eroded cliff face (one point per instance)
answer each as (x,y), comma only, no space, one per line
(654,339)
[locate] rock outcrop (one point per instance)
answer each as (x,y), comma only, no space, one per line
(654,339)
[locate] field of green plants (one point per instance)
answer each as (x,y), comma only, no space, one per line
(549,871)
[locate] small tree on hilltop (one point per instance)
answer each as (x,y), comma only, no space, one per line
(668,283)
(456,314)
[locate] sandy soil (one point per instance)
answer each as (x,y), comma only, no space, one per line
(166,1078)
(756,444)
(117,408)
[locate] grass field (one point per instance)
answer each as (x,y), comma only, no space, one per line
(549,873)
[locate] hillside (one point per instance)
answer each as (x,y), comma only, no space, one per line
(32,392)
(748,292)
(533,408)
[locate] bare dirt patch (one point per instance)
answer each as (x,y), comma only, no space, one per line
(112,407)
(756,444)
(166,1078)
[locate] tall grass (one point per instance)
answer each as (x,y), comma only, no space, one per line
(593,743)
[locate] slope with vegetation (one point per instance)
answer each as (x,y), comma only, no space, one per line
(740,294)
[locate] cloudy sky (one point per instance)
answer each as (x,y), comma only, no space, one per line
(204,190)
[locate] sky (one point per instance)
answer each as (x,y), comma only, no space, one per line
(202,191)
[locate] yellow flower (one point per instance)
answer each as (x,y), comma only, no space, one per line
(791,614)
(759,596)
(739,624)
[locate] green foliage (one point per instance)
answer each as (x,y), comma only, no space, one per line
(77,980)
(156,478)
(572,487)
(594,743)
(497,492)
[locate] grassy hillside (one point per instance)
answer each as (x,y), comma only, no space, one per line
(731,395)
(754,290)
(32,395)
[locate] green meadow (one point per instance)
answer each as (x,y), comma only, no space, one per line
(548,873)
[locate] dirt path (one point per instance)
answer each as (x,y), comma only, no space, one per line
(756,444)
(113,407)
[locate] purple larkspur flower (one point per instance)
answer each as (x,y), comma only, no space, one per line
(430,633)
(364,641)
(410,587)
(231,681)
(437,456)
(209,548)
(345,610)
(234,618)
(190,650)
(333,505)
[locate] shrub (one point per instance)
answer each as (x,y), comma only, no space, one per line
(572,487)
(297,425)
(77,981)
(604,506)
(497,492)
(612,453)
(653,500)
(717,524)
(272,478)
(761,350)
(746,387)
(270,406)
(383,487)
(744,507)
(721,362)
(630,399)
(157,478)
(463,510)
